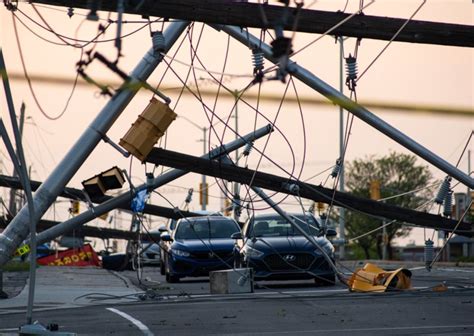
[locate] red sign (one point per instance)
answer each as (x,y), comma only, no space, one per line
(84,256)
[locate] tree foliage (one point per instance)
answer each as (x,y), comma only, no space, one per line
(398,174)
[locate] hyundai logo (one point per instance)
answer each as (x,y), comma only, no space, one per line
(290,257)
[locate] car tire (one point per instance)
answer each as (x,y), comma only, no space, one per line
(170,278)
(325,280)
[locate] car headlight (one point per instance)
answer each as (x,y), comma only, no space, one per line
(329,249)
(251,252)
(180,253)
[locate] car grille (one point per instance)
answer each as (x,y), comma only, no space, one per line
(281,262)
(214,255)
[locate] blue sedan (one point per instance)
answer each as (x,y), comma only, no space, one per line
(199,245)
(276,251)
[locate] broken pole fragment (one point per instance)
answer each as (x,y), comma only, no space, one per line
(309,191)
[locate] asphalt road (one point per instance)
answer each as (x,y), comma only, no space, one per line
(276,308)
(329,314)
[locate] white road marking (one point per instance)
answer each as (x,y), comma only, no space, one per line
(143,328)
(457,270)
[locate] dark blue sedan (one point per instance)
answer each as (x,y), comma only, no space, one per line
(199,245)
(277,251)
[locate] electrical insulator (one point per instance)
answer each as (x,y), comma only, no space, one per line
(281,46)
(93,6)
(158,40)
(448,204)
(257,60)
(351,69)
(443,190)
(70,12)
(248,148)
(429,253)
(336,169)
(189,197)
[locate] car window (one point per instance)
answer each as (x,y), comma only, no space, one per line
(276,226)
(205,229)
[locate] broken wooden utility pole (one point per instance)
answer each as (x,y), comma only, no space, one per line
(76,194)
(93,231)
(306,190)
(265,16)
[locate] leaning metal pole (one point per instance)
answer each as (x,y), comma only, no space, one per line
(22,173)
(362,113)
(18,229)
(125,198)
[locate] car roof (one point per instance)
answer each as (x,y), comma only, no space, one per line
(208,212)
(271,215)
(206,218)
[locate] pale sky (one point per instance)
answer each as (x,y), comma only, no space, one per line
(405,73)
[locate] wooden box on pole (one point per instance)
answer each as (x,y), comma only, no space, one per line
(149,127)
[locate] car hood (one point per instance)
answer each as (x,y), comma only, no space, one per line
(289,244)
(204,245)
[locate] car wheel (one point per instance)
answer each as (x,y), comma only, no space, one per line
(325,280)
(170,278)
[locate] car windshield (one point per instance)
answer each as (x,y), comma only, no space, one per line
(206,229)
(277,226)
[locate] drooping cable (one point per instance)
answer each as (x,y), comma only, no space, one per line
(30,85)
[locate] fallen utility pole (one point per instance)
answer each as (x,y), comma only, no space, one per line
(18,229)
(256,15)
(92,231)
(306,190)
(76,194)
(359,111)
(121,200)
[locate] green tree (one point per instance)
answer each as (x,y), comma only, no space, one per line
(397,174)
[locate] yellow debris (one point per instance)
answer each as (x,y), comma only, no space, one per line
(372,278)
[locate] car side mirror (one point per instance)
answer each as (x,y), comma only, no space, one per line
(165,236)
(236,235)
(330,232)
